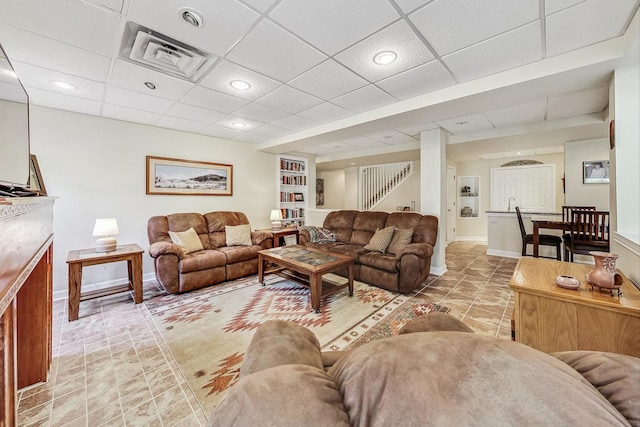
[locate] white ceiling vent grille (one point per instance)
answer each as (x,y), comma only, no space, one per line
(161,53)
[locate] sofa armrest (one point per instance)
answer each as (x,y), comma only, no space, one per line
(303,236)
(165,248)
(422,250)
(262,238)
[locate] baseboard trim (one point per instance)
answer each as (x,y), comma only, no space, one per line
(477,239)
(504,254)
(438,271)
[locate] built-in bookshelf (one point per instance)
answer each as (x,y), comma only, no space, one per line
(468,196)
(292,189)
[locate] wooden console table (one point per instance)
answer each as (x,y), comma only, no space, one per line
(551,318)
(132,253)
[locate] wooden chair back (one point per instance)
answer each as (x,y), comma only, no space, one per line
(523,232)
(568,210)
(590,228)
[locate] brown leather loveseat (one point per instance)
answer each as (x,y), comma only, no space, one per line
(402,271)
(215,262)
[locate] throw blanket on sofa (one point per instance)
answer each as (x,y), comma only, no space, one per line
(319,234)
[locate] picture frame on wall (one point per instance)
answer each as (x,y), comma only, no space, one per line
(595,172)
(170,176)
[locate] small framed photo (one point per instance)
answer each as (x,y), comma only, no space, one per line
(292,239)
(595,172)
(298,197)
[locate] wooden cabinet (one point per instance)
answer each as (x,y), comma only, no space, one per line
(550,318)
(468,196)
(292,189)
(530,187)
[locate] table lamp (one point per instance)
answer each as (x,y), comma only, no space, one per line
(106,227)
(276,218)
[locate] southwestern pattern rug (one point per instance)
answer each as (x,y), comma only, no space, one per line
(208,330)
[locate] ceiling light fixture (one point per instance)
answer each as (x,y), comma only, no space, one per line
(9,73)
(239,84)
(239,124)
(384,58)
(151,85)
(192,17)
(63,85)
(462,122)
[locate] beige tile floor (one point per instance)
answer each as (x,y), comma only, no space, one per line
(112,367)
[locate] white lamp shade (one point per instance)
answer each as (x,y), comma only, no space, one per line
(276,215)
(106,227)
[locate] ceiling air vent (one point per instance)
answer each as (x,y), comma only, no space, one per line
(161,53)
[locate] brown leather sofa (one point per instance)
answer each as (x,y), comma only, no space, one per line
(401,272)
(216,263)
(436,378)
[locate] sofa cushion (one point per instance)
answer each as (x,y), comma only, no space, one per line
(184,221)
(380,261)
(202,260)
(380,240)
(401,238)
(341,223)
(240,253)
(365,226)
(187,240)
(238,235)
(616,376)
(217,221)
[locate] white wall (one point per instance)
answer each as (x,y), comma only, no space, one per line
(96,167)
(334,186)
(407,192)
(578,193)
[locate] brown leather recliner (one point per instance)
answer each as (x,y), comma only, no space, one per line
(217,263)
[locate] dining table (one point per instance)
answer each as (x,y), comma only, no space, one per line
(547,222)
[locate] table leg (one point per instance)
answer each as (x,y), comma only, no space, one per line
(315,285)
(135,277)
(536,240)
(351,279)
(75,280)
(260,269)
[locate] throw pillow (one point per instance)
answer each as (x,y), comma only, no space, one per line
(319,234)
(380,240)
(401,238)
(238,235)
(187,240)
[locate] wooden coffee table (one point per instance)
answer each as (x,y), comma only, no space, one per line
(306,266)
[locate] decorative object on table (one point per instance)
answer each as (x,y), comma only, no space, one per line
(188,177)
(466,212)
(276,219)
(106,227)
(568,282)
(465,190)
(35,177)
(595,172)
(604,275)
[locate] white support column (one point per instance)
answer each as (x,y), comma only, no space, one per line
(351,183)
(433,189)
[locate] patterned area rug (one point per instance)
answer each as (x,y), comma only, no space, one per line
(208,330)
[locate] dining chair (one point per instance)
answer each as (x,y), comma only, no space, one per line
(566,216)
(543,239)
(589,232)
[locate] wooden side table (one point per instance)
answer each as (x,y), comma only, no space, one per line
(277,234)
(132,253)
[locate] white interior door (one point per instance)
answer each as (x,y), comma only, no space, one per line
(451,204)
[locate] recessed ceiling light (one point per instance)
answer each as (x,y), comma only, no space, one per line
(384,58)
(192,17)
(239,124)
(352,163)
(239,84)
(63,85)
(518,153)
(150,85)
(9,73)
(462,122)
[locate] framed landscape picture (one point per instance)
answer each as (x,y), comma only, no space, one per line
(595,172)
(188,177)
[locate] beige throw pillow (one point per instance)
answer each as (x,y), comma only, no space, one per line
(401,238)
(238,235)
(380,240)
(188,240)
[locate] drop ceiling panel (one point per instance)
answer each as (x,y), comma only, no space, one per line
(328,80)
(325,112)
(425,78)
(576,103)
(416,129)
(220,77)
(466,124)
(272,131)
(210,99)
(181,124)
(228,122)
(295,123)
(398,38)
(553,6)
(332,25)
(220,132)
(190,112)
(391,137)
(362,142)
(288,99)
(46,98)
(455,24)
(260,113)
(225,22)
(35,49)
(115,5)
(269,48)
(261,5)
(88,27)
(531,112)
(574,27)
(42,79)
(133,77)
(411,5)
(135,100)
(509,50)
(364,99)
(126,114)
